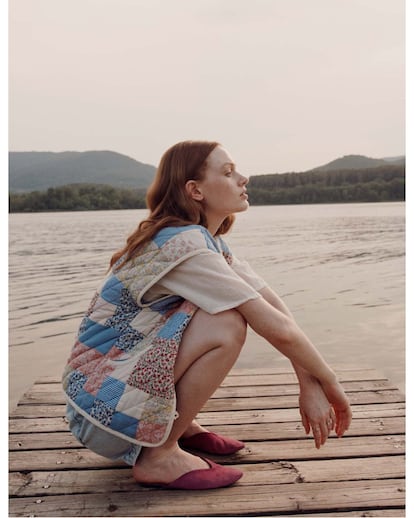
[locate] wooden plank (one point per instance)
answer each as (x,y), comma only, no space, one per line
(253,452)
(37,421)
(288,378)
(348,371)
(46,424)
(249,391)
(386,513)
(219,405)
(53,433)
(38,411)
(291,414)
(41,441)
(253,401)
(42,483)
(275,390)
(355,398)
(285,382)
(350,469)
(232,501)
(290,419)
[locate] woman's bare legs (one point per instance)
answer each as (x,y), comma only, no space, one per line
(208,350)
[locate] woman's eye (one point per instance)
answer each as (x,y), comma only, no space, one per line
(228,173)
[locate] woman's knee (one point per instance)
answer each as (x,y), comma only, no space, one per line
(225,331)
(207,331)
(232,328)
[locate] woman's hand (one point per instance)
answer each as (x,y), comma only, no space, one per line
(316,411)
(340,403)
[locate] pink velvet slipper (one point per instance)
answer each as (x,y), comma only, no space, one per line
(210,478)
(210,442)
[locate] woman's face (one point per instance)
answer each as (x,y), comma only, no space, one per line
(222,191)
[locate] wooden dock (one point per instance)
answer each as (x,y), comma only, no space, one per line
(361,474)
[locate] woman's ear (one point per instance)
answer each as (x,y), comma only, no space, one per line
(193,190)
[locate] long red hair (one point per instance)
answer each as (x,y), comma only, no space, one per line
(167,198)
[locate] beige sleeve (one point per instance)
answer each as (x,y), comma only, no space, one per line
(209,282)
(245,271)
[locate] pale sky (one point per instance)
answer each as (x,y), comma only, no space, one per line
(284,85)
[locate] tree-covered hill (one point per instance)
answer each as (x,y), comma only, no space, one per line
(358,162)
(384,183)
(78,197)
(30,171)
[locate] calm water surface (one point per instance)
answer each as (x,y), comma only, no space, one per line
(339,268)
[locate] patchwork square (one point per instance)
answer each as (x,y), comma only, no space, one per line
(125,312)
(128,340)
(98,336)
(96,378)
(85,400)
(102,311)
(85,355)
(112,289)
(111,391)
(77,350)
(173,323)
(76,383)
(152,433)
(132,401)
(102,412)
(124,423)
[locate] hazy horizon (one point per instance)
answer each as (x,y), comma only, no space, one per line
(387,158)
(284,85)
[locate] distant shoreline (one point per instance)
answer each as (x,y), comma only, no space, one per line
(377,184)
(52,211)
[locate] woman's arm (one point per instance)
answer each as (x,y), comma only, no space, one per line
(271,319)
(285,335)
(268,294)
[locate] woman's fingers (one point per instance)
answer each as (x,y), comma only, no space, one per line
(317,436)
(343,421)
(320,433)
(305,422)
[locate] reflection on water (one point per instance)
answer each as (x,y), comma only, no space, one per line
(339,268)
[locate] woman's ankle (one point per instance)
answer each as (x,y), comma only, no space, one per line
(193,429)
(160,452)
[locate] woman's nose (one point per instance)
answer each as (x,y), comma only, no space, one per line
(244,180)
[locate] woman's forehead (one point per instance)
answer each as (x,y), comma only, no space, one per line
(219,157)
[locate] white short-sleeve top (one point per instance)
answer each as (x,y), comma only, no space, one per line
(210,283)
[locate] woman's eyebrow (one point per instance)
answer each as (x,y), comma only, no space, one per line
(231,164)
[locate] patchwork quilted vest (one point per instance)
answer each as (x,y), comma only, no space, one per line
(120,374)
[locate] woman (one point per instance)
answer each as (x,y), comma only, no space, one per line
(167,325)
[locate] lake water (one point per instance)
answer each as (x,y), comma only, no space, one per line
(339,268)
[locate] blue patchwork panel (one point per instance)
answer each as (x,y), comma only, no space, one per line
(168,232)
(112,289)
(124,423)
(85,400)
(111,391)
(169,329)
(98,336)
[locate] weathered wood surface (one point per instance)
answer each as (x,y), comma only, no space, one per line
(361,474)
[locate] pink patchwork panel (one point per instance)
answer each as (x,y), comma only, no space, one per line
(96,377)
(83,355)
(152,433)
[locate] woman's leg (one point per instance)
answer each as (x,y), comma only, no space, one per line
(209,348)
